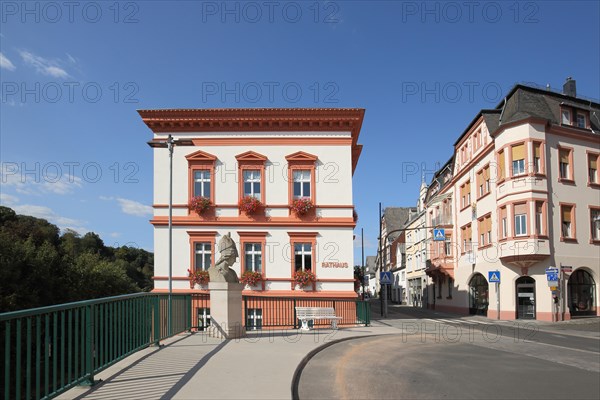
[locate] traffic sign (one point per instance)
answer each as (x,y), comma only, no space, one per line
(552,276)
(385,278)
(439,235)
(567,269)
(494,276)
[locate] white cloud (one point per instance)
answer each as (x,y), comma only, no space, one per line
(114,234)
(48,214)
(41,181)
(131,207)
(8,200)
(6,63)
(43,65)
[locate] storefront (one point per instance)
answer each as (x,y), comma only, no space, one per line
(525,290)
(581,294)
(478,295)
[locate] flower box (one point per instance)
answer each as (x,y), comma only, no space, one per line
(251,278)
(249,205)
(304,279)
(199,204)
(301,206)
(198,277)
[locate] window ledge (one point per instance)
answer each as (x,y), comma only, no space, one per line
(448,297)
(483,195)
(568,239)
(484,246)
(541,237)
(465,207)
(595,241)
(594,185)
(566,181)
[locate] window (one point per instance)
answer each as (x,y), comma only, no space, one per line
(448,245)
(450,284)
(593,168)
(302,256)
(539,218)
(581,121)
(484,226)
(537,157)
(254,319)
(201,167)
(203,256)
(518,160)
(483,181)
(253,257)
(466,238)
(501,165)
(252,183)
(565,117)
(203,318)
(595,223)
(202,183)
(503,223)
(520,219)
(302,182)
(567,222)
(564,165)
(465,194)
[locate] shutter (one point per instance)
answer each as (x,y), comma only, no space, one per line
(566,214)
(518,152)
(593,162)
(501,165)
(521,208)
(537,148)
(564,156)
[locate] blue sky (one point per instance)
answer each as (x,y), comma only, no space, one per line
(72,146)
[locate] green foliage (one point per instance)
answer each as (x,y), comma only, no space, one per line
(39,266)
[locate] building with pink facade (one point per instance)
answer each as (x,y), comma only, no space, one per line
(520,195)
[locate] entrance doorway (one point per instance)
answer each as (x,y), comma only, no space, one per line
(582,294)
(478,295)
(525,297)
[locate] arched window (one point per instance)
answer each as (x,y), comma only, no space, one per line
(582,293)
(478,295)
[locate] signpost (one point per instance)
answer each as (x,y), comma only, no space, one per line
(439,235)
(552,277)
(494,277)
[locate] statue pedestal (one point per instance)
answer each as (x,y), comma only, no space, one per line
(226,310)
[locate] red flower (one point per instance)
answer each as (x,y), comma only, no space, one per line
(304,278)
(199,204)
(249,204)
(251,278)
(199,277)
(302,205)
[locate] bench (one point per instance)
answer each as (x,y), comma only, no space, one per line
(304,314)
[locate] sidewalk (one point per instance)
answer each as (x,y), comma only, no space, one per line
(195,366)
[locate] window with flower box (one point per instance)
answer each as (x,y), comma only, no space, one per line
(251,166)
(202,247)
(303,246)
(201,167)
(301,176)
(254,246)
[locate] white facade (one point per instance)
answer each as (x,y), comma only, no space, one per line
(274,145)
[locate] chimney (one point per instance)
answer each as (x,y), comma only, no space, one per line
(570,87)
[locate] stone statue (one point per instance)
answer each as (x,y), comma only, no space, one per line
(220,272)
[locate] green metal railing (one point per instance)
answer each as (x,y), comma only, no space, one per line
(48,350)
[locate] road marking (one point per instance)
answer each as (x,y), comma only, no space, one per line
(567,348)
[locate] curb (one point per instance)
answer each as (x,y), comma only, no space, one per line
(311,354)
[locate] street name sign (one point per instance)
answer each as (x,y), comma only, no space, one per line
(385,278)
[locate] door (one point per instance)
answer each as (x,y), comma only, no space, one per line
(525,298)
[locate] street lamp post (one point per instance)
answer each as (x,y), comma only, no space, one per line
(170,143)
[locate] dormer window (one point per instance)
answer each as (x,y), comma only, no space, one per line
(581,120)
(565,117)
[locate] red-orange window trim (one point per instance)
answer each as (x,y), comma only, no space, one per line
(303,237)
(251,160)
(201,160)
(253,237)
(201,237)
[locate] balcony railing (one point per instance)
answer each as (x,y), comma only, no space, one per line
(442,220)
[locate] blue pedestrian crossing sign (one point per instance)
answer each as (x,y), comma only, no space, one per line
(385,278)
(494,276)
(439,234)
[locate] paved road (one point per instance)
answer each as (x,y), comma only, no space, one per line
(440,355)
